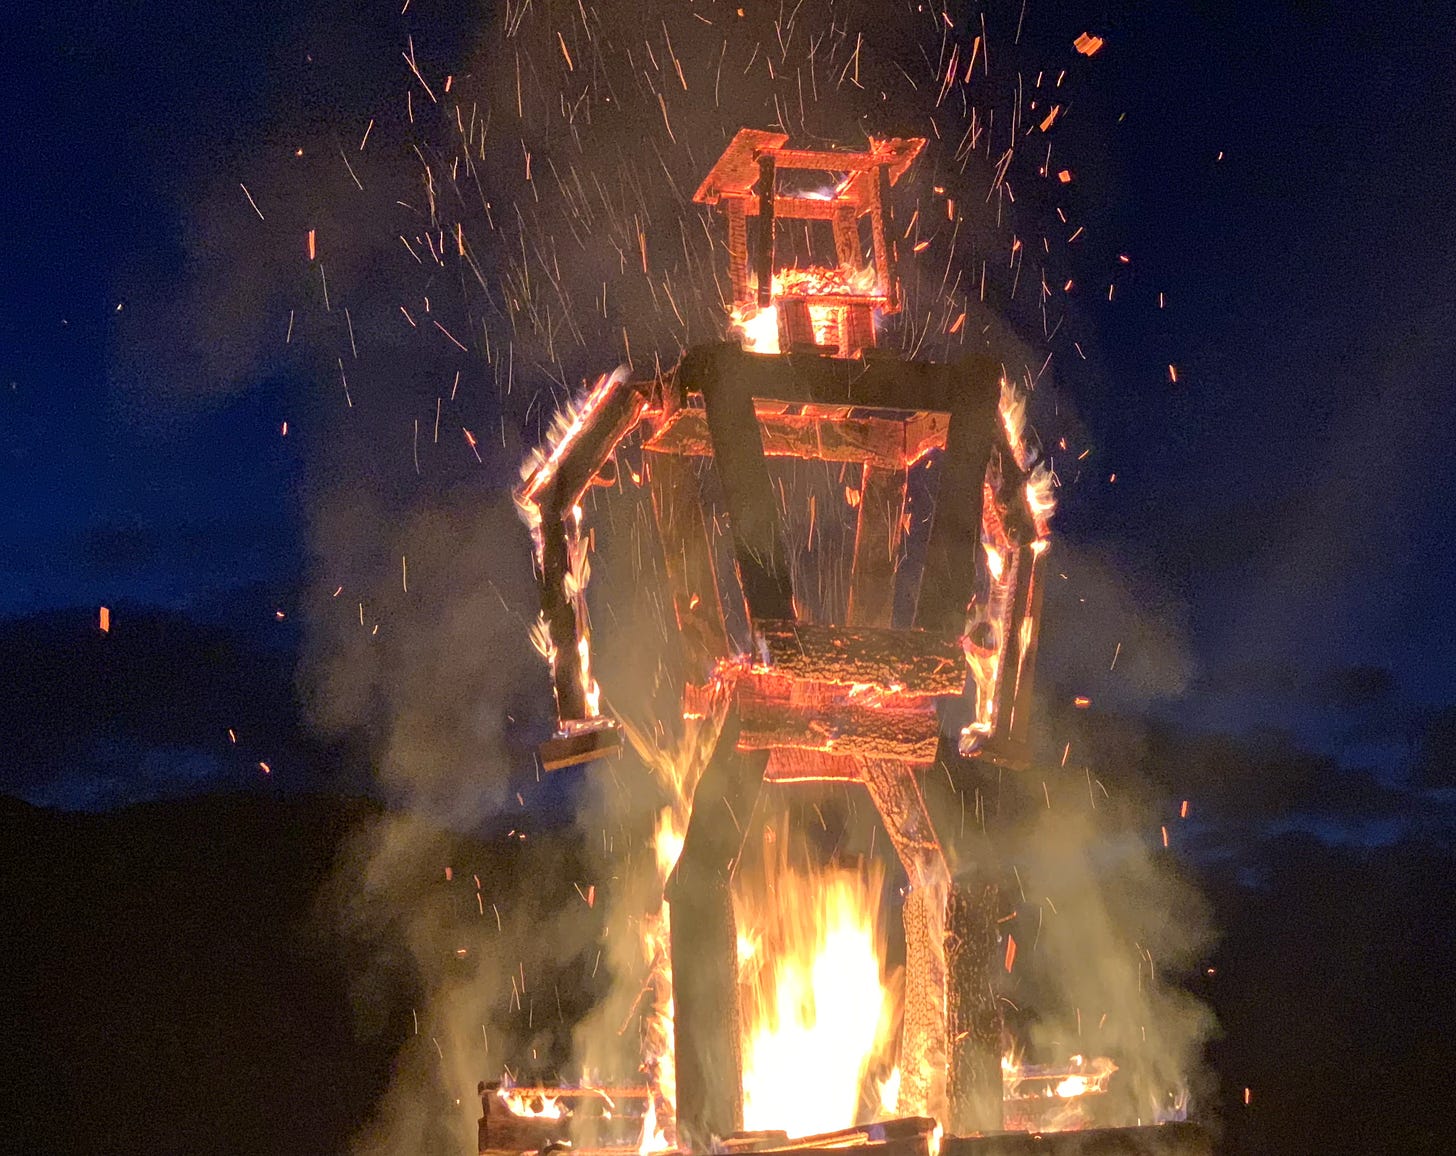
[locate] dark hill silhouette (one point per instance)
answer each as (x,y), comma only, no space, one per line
(179,988)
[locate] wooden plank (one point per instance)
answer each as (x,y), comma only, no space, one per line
(953,550)
(737,169)
(706,1020)
(877,545)
(737,249)
(764,258)
(753,512)
(688,559)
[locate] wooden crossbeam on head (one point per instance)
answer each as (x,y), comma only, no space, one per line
(736,172)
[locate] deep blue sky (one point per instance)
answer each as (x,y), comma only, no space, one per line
(1280,516)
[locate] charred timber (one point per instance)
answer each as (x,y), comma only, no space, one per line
(706,1018)
(838,435)
(782,713)
(973,1019)
(765,253)
(913,662)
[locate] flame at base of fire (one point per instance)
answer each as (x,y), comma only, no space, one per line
(817,1012)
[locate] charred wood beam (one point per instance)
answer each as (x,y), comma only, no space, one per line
(971,386)
(559,613)
(706,1017)
(753,512)
(706,1014)
(868,657)
(877,546)
(887,443)
(1013,679)
(796,326)
(882,224)
(733,210)
(954,546)
(826,719)
(846,235)
(972,1016)
(858,332)
(894,788)
(922,1031)
(688,558)
(765,255)
(551,491)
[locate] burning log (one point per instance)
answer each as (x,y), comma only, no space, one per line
(548,496)
(973,1019)
(922,1035)
(906,1136)
(784,713)
(706,1018)
(891,661)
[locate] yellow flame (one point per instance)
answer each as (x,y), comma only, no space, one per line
(537,1108)
(816,1011)
(758,328)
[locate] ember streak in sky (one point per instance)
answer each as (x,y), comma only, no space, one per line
(290,293)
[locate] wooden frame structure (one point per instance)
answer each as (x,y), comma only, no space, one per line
(857,701)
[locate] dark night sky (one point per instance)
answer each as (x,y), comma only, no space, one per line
(1280,514)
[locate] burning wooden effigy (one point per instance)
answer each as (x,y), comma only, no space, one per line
(863,700)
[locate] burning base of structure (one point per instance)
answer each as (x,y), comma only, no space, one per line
(769,1025)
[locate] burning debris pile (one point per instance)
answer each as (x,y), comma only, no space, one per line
(767,1023)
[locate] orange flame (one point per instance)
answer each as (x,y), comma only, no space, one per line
(817,1014)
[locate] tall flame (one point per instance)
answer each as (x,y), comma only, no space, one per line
(816,1012)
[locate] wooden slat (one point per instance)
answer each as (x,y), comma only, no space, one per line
(764,258)
(753,512)
(953,549)
(737,249)
(688,557)
(877,546)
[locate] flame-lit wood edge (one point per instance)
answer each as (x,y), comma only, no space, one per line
(735,172)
